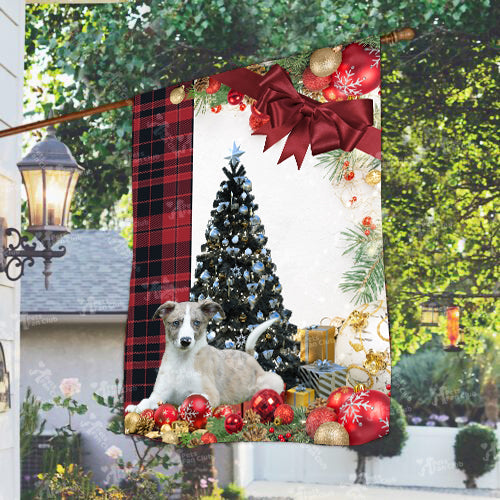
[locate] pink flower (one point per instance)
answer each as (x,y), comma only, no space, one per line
(114,452)
(70,387)
(203,483)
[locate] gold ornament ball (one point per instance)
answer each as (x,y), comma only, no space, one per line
(177,95)
(131,420)
(325,61)
(170,437)
(373,178)
(331,433)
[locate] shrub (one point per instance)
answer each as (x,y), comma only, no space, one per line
(476,452)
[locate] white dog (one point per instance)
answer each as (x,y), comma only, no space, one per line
(190,366)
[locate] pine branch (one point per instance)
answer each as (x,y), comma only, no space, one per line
(295,65)
(371,41)
(204,102)
(366,278)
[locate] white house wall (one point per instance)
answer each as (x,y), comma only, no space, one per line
(11,88)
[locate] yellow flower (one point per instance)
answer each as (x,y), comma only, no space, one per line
(40,476)
(60,469)
(70,468)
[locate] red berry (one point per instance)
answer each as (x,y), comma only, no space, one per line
(367,232)
(243,106)
(271,429)
(373,226)
(389,393)
(216,109)
(354,198)
(288,435)
(388,387)
(281,436)
(346,163)
(213,86)
(349,176)
(367,221)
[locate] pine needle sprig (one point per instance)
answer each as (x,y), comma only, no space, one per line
(333,162)
(203,102)
(295,65)
(366,278)
(370,41)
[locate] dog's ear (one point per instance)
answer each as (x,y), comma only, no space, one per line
(211,308)
(164,310)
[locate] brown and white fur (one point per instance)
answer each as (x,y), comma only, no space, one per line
(190,366)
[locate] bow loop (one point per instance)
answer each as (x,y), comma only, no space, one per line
(323,365)
(323,126)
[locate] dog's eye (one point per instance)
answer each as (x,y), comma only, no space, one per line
(176,323)
(196,323)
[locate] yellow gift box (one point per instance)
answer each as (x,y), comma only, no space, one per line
(299,396)
(317,342)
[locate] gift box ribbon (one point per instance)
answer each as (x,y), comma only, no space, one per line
(323,126)
(323,365)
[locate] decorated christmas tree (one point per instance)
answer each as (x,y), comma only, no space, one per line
(235,269)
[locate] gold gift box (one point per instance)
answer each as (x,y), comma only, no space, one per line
(317,342)
(301,397)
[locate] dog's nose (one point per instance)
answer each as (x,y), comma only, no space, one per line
(185,341)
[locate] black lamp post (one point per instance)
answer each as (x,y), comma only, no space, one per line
(50,174)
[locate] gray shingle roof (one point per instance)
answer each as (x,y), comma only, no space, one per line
(92,278)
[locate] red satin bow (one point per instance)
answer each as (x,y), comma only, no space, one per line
(324,126)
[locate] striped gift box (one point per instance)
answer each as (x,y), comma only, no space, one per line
(323,376)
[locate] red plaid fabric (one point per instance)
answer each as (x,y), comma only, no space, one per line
(162,172)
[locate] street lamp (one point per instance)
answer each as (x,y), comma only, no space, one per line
(429,315)
(50,173)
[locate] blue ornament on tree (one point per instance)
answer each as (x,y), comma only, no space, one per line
(205,275)
(235,239)
(258,267)
(243,210)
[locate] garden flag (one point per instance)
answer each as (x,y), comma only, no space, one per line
(257,297)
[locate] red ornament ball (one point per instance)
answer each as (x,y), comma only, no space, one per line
(257,121)
(264,403)
(222,411)
(216,109)
(388,387)
(367,221)
(365,416)
(234,97)
(213,86)
(148,414)
(338,397)
(285,413)
(195,410)
(367,232)
(317,417)
(208,438)
(359,72)
(349,176)
(271,430)
(332,93)
(233,423)
(288,435)
(313,82)
(165,414)
(281,437)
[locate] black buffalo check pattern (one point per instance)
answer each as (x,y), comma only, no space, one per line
(162,172)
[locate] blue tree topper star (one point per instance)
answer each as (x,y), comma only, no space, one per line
(234,154)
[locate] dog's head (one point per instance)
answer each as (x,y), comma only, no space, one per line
(186,322)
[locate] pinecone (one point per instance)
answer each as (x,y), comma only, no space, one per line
(317,96)
(255,433)
(257,68)
(317,403)
(195,442)
(251,417)
(144,425)
(201,84)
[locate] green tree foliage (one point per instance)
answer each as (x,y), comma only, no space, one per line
(476,452)
(440,183)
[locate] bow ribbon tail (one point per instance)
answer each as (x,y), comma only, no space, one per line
(297,142)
